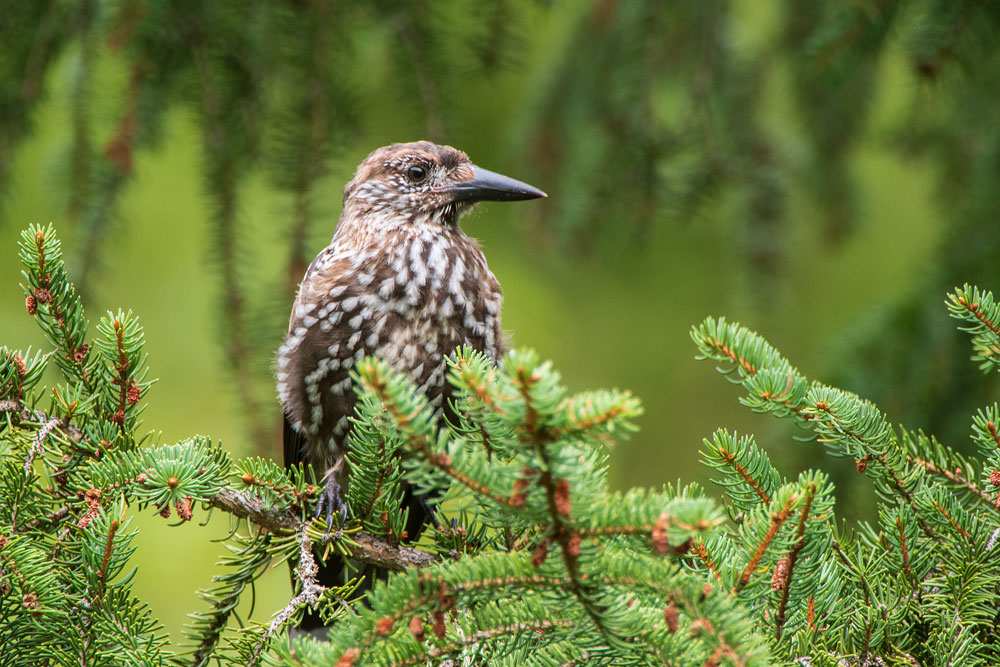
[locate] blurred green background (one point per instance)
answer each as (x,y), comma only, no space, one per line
(822,172)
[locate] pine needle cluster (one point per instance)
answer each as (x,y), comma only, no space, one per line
(534,560)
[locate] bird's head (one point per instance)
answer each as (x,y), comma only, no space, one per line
(424,183)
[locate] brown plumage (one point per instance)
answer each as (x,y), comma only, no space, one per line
(400,280)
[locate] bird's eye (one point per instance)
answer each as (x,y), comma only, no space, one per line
(416,173)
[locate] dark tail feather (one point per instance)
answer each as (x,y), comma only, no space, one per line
(334,572)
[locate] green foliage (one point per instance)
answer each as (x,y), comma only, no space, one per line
(533,550)
(535,560)
(900,591)
(979,313)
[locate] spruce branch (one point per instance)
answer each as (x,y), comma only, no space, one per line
(52,300)
(777,521)
(556,492)
(788,563)
(364,547)
(981,315)
(955,477)
(535,561)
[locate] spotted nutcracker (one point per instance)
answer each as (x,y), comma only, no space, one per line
(400,280)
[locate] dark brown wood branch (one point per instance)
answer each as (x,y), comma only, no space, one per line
(364,547)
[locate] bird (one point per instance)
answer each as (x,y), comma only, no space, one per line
(401,280)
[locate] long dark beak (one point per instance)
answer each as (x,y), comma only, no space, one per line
(486,185)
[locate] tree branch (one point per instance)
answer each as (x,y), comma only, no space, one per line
(363,547)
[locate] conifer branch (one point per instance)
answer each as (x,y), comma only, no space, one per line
(309,594)
(362,546)
(903,548)
(791,558)
(901,490)
(974,309)
(730,458)
(777,520)
(42,419)
(954,524)
(956,478)
(701,551)
(557,496)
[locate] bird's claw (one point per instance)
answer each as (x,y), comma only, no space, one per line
(331,501)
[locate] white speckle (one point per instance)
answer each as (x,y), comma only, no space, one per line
(417,263)
(333,350)
(372,340)
(325,325)
(457,274)
(341,426)
(350,303)
(335,318)
(437,259)
(309,320)
(385,289)
(359,353)
(337,291)
(413,293)
(354,322)
(354,339)
(365,278)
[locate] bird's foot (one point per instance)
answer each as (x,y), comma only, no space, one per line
(331,501)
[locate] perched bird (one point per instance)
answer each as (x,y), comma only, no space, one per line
(400,280)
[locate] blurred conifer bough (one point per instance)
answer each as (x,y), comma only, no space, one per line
(536,562)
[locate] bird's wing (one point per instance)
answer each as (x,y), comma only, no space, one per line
(321,257)
(294,444)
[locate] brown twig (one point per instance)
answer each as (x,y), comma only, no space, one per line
(701,551)
(793,555)
(558,503)
(730,458)
(955,478)
(978,314)
(777,521)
